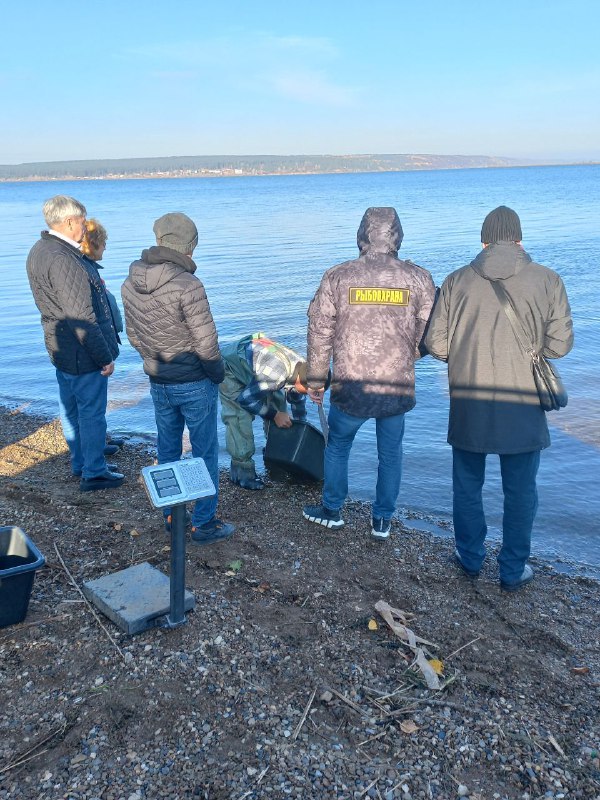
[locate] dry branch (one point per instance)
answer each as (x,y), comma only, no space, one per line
(89,605)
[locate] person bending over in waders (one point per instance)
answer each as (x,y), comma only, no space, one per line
(260,376)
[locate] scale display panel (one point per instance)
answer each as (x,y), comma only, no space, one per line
(177,482)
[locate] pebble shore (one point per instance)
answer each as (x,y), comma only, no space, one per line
(285,681)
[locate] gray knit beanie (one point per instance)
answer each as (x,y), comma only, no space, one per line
(501,225)
(176,231)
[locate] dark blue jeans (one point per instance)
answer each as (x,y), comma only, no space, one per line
(82,405)
(342,430)
(519,473)
(195,405)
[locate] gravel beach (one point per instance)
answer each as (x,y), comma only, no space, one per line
(285,681)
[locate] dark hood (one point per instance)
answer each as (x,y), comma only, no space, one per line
(157,266)
(380,231)
(500,261)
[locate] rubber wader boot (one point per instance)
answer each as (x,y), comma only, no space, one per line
(245,476)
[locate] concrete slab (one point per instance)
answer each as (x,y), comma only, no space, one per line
(134,598)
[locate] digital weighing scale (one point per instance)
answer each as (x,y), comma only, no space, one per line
(141,596)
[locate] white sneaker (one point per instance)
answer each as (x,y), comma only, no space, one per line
(381,528)
(526,577)
(326,517)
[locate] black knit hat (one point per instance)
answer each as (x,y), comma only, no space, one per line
(501,225)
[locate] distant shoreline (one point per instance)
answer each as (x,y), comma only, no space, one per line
(232,174)
(255,166)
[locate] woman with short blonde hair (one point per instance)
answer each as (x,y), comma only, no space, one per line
(94,240)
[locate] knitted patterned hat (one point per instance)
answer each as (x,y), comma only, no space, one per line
(501,225)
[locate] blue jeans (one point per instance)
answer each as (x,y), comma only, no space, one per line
(342,430)
(82,405)
(519,472)
(195,405)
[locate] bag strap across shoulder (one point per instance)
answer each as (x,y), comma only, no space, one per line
(516,324)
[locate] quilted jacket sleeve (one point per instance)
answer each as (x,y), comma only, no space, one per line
(74,290)
(203,333)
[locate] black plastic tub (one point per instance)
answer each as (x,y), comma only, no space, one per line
(19,559)
(298,450)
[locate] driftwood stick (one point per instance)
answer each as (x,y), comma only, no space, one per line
(89,605)
(22,761)
(373,738)
(254,685)
(304,715)
(348,702)
(476,639)
(399,711)
(258,780)
(29,754)
(428,702)
(370,786)
(24,625)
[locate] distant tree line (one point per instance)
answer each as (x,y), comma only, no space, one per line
(255,164)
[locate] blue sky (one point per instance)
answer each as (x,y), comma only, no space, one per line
(130,78)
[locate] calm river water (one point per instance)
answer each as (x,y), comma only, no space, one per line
(264,244)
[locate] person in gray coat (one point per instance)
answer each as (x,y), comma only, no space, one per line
(169,322)
(494,405)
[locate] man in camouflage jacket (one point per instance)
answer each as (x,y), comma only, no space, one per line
(368,317)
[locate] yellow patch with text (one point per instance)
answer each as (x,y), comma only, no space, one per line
(373,296)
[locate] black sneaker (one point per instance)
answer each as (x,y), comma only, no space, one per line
(214,531)
(108,480)
(111,449)
(117,440)
(380,528)
(323,516)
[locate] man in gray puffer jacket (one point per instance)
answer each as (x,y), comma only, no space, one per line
(368,315)
(494,405)
(169,322)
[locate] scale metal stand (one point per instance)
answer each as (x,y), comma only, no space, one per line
(142,597)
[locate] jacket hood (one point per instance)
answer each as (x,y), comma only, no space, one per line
(500,261)
(380,231)
(157,266)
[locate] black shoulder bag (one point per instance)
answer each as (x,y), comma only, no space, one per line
(548,383)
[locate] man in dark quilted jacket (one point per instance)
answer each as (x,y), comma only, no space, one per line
(169,322)
(79,335)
